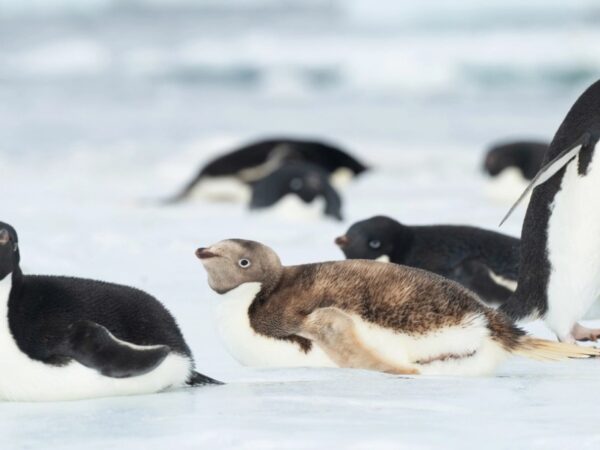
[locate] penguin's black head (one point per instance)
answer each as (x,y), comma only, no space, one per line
(9,250)
(525,156)
(303,180)
(379,237)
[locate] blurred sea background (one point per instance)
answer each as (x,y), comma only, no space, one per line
(159,75)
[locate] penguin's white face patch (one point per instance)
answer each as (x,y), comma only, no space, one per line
(252,349)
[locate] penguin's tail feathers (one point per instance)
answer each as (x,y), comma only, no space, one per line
(544,350)
(197,379)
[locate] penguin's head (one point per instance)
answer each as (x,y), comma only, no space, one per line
(9,250)
(233,262)
(304,181)
(379,237)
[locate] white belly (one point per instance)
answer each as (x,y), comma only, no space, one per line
(222,189)
(469,337)
(25,379)
(291,207)
(253,349)
(574,248)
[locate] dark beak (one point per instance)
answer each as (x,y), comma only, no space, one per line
(341,241)
(4,237)
(204,253)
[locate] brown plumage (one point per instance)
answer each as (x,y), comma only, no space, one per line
(340,305)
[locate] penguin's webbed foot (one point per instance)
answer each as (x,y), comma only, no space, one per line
(583,334)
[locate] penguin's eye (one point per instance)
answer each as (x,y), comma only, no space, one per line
(296,184)
(374,244)
(244,263)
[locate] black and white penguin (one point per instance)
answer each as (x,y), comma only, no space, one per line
(228,176)
(511,166)
(296,190)
(483,261)
(359,314)
(68,338)
(559,278)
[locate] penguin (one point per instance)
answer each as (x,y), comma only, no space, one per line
(511,166)
(227,177)
(297,188)
(359,314)
(483,261)
(559,276)
(524,156)
(69,338)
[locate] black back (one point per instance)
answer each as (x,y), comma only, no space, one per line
(461,253)
(307,181)
(527,156)
(43,308)
(531,294)
(327,156)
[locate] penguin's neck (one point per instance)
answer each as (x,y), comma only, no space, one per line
(10,284)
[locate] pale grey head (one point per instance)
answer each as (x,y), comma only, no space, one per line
(233,262)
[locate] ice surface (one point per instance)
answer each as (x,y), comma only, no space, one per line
(82,216)
(107,106)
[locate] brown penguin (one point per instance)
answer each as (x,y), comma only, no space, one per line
(359,314)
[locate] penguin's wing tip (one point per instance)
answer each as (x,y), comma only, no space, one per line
(549,170)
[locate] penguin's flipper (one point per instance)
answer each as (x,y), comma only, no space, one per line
(550,169)
(94,346)
(479,277)
(335,332)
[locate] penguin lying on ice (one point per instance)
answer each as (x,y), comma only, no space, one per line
(228,177)
(483,261)
(359,314)
(69,338)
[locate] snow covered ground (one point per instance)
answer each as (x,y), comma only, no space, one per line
(105,109)
(86,216)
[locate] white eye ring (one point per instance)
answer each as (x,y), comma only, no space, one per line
(244,263)
(375,244)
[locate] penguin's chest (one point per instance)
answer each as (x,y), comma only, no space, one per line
(574,240)
(253,349)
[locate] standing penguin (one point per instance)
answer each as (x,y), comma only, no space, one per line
(559,276)
(297,188)
(483,261)
(68,338)
(359,314)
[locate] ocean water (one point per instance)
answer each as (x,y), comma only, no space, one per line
(107,106)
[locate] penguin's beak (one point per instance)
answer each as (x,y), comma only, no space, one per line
(341,241)
(4,237)
(205,253)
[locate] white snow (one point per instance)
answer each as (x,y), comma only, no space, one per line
(81,215)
